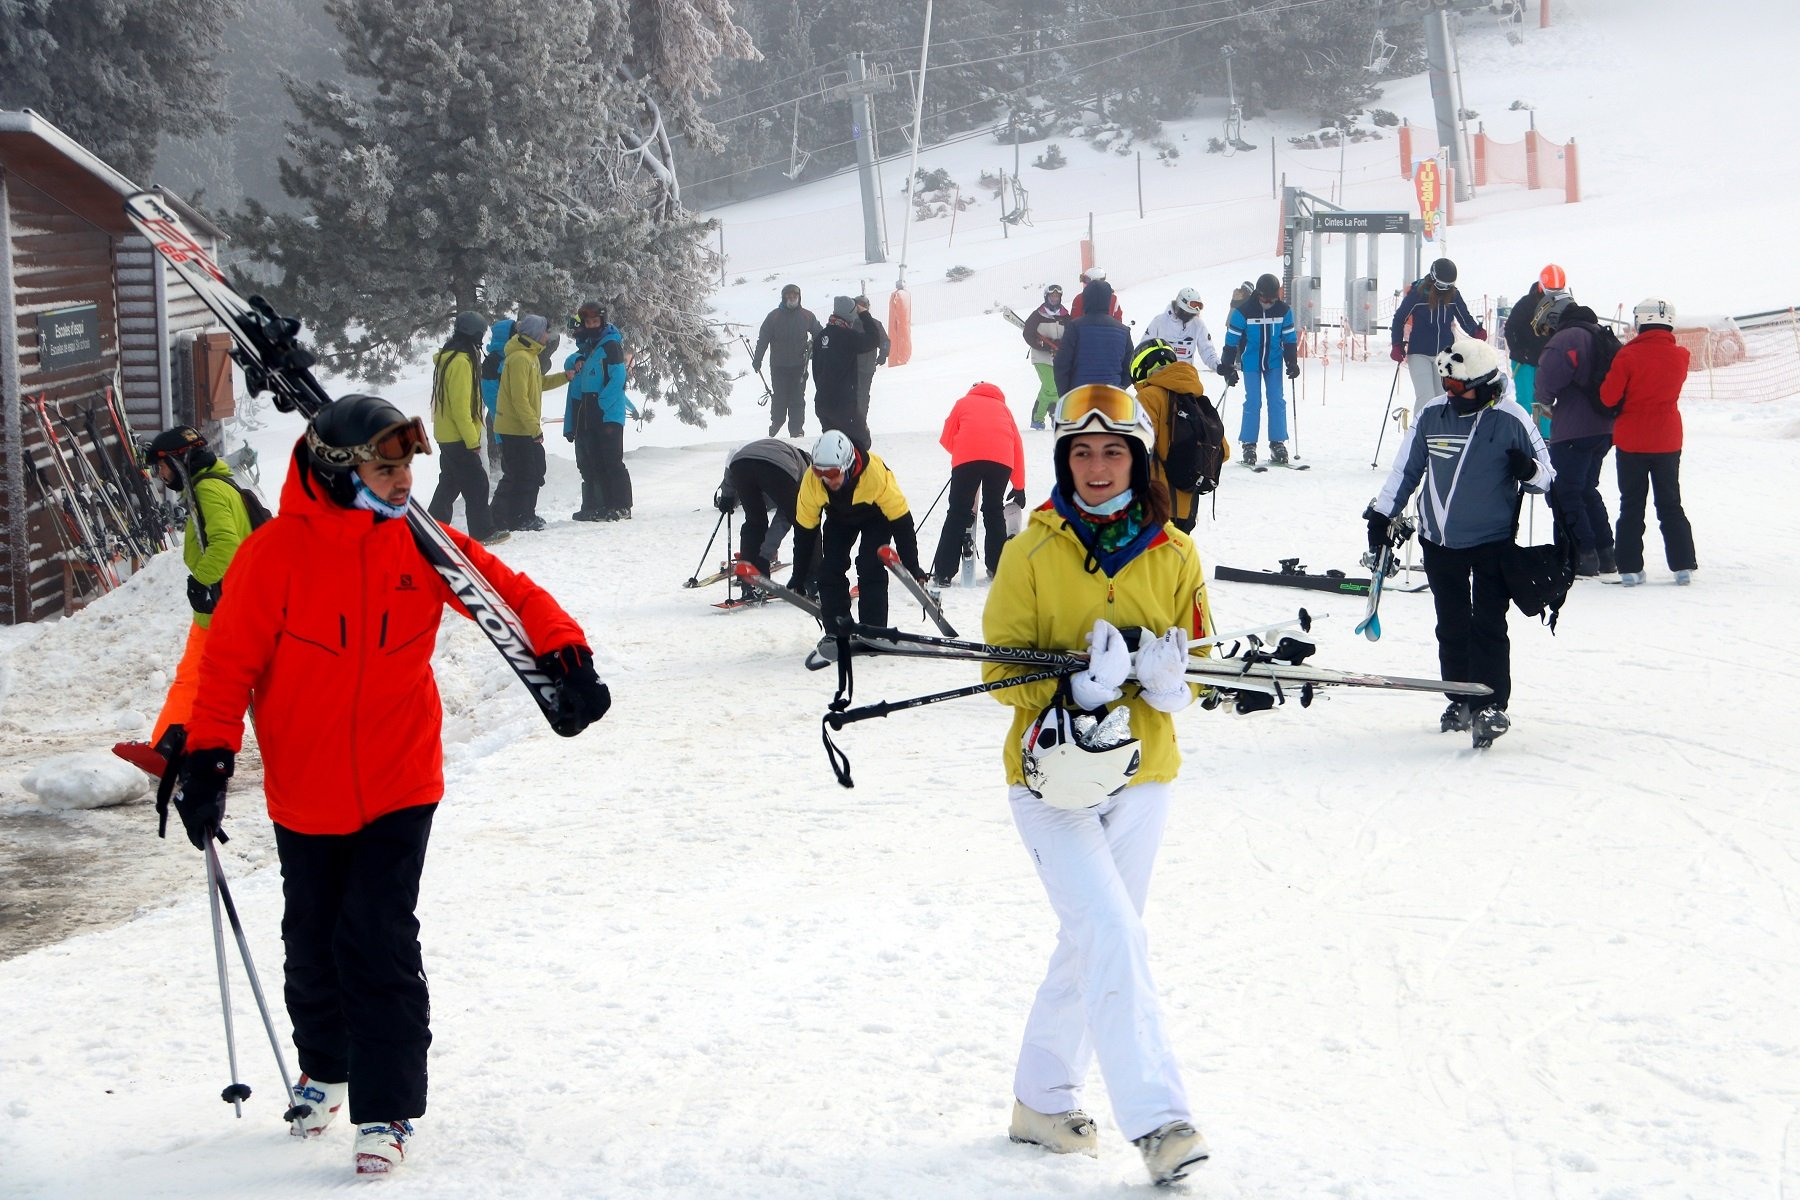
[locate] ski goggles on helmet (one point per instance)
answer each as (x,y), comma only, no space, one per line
(393,446)
(1099,408)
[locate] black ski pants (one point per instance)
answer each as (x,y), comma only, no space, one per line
(354,975)
(1638,473)
(522,460)
(588,453)
(993,480)
(461,476)
(840,537)
(841,414)
(1576,492)
(1471,598)
(615,477)
(762,488)
(788,403)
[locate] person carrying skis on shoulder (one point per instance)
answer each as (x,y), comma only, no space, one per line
(1435,307)
(1473,454)
(594,417)
(1180,326)
(456,410)
(520,425)
(328,633)
(986,456)
(764,477)
(1527,334)
(1160,375)
(1090,805)
(218,522)
(849,495)
(1043,331)
(1260,335)
(1095,347)
(1644,386)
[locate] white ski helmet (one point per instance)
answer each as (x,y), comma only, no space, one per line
(1064,772)
(1093,274)
(834,451)
(1652,313)
(1188,300)
(1470,362)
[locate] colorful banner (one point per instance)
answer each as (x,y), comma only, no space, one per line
(1425,183)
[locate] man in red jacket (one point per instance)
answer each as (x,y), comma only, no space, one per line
(1644,387)
(328,630)
(986,454)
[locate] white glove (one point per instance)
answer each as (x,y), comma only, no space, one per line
(1109,663)
(1161,671)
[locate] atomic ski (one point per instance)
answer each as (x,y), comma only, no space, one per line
(728,571)
(273,360)
(890,557)
(756,579)
(1381,566)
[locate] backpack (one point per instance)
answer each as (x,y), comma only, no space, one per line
(1606,348)
(1196,450)
(1538,578)
(490,365)
(254,508)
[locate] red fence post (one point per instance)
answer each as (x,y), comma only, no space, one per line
(1571,174)
(1532,178)
(1405,150)
(1543,14)
(1481,154)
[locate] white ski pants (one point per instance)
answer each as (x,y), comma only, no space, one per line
(1428,385)
(1097,999)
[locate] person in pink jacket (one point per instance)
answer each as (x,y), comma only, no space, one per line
(986,454)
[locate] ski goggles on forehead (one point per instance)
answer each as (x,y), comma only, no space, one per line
(1097,406)
(393,446)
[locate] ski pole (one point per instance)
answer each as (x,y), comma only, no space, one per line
(694,579)
(235,1093)
(1384,415)
(934,505)
(216,873)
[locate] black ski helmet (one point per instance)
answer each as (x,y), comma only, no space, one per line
(347,424)
(1443,274)
(1151,356)
(594,307)
(1267,287)
(184,448)
(471,325)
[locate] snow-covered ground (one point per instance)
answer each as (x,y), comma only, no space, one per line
(672,958)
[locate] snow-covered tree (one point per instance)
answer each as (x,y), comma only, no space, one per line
(115,75)
(503,156)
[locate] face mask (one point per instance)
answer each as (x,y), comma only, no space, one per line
(1466,405)
(791,301)
(368,501)
(1116,505)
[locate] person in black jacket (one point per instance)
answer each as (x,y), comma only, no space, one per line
(1528,331)
(836,349)
(1096,346)
(868,360)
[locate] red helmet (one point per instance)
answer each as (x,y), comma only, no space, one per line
(1552,278)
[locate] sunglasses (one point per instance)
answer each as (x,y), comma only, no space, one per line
(1096,406)
(393,446)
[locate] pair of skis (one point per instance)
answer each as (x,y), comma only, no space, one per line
(267,347)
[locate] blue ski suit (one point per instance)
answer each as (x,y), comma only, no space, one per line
(1262,338)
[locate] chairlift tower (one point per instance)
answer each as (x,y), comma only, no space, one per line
(858,85)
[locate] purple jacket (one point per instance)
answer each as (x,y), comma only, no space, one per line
(1576,412)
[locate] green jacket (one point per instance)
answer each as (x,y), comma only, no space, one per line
(455,399)
(224,523)
(520,411)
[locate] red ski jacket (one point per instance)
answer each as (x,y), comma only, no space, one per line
(326,629)
(980,428)
(1644,385)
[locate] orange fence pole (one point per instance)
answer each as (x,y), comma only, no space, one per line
(1481,155)
(1533,179)
(1571,174)
(1405,150)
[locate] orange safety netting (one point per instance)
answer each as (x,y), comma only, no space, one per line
(899,327)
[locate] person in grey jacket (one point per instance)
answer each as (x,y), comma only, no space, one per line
(786,336)
(868,360)
(764,476)
(1473,454)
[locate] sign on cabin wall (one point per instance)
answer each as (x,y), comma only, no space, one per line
(68,337)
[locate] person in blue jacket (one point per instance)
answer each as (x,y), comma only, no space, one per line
(498,335)
(1260,335)
(1095,347)
(1436,308)
(594,418)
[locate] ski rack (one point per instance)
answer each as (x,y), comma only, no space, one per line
(267,348)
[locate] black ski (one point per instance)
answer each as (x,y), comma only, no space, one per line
(269,351)
(748,573)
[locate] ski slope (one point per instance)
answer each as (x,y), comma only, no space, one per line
(672,958)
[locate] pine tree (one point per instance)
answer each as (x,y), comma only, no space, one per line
(503,156)
(117,76)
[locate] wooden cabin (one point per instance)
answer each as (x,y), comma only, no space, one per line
(86,309)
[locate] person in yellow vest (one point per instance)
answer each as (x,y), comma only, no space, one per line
(862,499)
(519,424)
(456,423)
(218,522)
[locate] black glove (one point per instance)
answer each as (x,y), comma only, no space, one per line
(203,597)
(724,501)
(1293,362)
(1016,496)
(1228,368)
(200,801)
(581,699)
(1380,529)
(1251,702)
(1522,465)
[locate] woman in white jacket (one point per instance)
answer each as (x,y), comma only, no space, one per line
(1180,326)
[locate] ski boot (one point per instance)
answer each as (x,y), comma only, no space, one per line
(381,1146)
(1684,578)
(1631,578)
(1071,1132)
(1169,1150)
(1247,453)
(1487,725)
(315,1105)
(1278,456)
(1455,718)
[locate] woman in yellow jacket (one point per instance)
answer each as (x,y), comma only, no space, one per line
(456,412)
(1098,557)
(1157,372)
(519,424)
